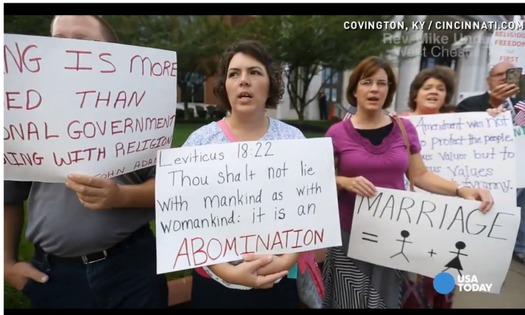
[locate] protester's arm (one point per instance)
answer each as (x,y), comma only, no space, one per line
(320,255)
(279,263)
(358,185)
(434,183)
(246,273)
(501,93)
(102,193)
(138,195)
(496,111)
(15,272)
(13,223)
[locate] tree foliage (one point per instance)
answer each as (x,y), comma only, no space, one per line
(305,44)
(38,25)
(198,41)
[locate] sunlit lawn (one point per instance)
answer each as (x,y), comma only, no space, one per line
(15,299)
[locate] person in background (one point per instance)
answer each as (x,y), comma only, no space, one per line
(497,99)
(93,244)
(519,247)
(370,152)
(430,93)
(499,91)
(249,82)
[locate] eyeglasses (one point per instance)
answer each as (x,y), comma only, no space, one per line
(497,75)
(382,84)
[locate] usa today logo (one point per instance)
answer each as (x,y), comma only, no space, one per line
(444,283)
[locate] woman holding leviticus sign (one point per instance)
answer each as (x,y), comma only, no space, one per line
(370,151)
(248,83)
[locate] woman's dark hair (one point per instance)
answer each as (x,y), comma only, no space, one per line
(441,73)
(365,69)
(256,50)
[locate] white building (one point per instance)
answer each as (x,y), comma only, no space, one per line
(463,47)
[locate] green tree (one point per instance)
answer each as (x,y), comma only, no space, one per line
(198,41)
(39,25)
(304,44)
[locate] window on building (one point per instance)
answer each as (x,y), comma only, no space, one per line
(195,88)
(198,93)
(432,55)
(332,84)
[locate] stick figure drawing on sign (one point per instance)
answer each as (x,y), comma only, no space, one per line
(455,262)
(404,234)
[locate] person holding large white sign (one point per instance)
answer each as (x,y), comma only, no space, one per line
(519,248)
(373,149)
(63,116)
(462,237)
(474,163)
(519,134)
(248,83)
(500,98)
(93,244)
(430,93)
(499,91)
(482,157)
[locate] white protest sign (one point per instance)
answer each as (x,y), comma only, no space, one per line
(215,203)
(473,149)
(84,106)
(428,234)
(509,46)
(519,133)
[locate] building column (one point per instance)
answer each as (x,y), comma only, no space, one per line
(409,64)
(483,60)
(283,106)
(311,112)
(472,69)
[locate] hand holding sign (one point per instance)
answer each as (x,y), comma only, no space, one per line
(94,192)
(482,195)
(247,274)
(278,263)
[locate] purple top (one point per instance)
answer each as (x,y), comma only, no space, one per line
(384,165)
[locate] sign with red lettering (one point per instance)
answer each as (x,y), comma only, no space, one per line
(507,45)
(215,203)
(83,106)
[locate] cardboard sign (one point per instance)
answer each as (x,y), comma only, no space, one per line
(215,203)
(83,106)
